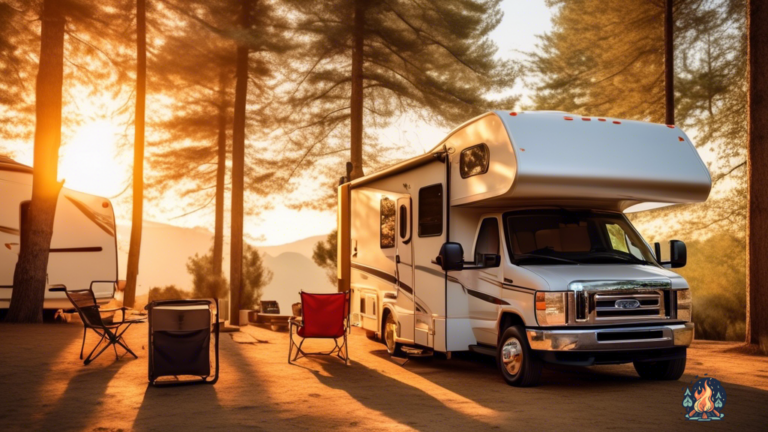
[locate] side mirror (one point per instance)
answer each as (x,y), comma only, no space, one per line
(451,257)
(678,254)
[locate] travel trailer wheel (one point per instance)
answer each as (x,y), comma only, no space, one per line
(519,367)
(668,370)
(390,329)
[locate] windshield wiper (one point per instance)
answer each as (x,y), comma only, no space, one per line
(632,258)
(534,256)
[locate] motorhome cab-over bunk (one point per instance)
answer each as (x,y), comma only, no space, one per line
(83,247)
(509,238)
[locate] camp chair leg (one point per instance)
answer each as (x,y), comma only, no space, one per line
(121,341)
(85,329)
(91,357)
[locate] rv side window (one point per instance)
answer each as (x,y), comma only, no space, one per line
(387,213)
(431,211)
(474,160)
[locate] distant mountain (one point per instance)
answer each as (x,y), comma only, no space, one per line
(165,250)
(303,247)
(293,272)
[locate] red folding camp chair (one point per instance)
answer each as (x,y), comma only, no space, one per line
(324,316)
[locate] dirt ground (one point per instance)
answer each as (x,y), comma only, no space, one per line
(44,386)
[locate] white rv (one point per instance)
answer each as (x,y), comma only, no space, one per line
(83,247)
(509,238)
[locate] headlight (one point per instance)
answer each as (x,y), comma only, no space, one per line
(684,307)
(550,308)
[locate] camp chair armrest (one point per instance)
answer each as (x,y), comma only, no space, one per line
(121,309)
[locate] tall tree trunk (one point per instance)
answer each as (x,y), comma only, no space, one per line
(238,169)
(218,235)
(29,277)
(138,155)
(757,175)
(669,63)
(356,100)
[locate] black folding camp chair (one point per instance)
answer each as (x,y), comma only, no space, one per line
(108,329)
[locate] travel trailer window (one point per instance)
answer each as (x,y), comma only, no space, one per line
(403,221)
(431,211)
(474,160)
(573,237)
(387,212)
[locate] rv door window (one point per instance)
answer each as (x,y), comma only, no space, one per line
(387,212)
(431,211)
(474,160)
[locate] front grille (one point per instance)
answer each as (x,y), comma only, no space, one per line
(608,306)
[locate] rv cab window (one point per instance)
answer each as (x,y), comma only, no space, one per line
(474,160)
(487,239)
(387,213)
(431,211)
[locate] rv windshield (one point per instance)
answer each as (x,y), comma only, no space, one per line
(574,237)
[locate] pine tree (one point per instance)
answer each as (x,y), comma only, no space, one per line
(72,33)
(365,62)
(137,219)
(324,255)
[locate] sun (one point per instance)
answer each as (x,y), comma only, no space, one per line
(91,163)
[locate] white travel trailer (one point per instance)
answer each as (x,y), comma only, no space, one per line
(83,247)
(509,238)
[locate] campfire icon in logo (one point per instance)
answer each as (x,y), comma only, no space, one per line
(707,401)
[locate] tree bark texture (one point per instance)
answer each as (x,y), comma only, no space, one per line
(238,172)
(137,219)
(356,99)
(757,174)
(30,275)
(669,62)
(221,168)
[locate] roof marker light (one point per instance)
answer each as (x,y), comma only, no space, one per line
(601,119)
(513,114)
(105,204)
(616,122)
(568,118)
(586,119)
(522,149)
(680,139)
(671,126)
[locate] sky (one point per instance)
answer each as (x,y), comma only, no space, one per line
(90,160)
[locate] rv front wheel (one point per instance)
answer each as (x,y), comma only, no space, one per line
(390,330)
(518,365)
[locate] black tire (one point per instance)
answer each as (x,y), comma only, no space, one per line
(666,370)
(515,359)
(388,334)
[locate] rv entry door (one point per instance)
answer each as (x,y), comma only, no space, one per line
(404,262)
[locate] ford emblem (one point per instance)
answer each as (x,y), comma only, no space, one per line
(627,304)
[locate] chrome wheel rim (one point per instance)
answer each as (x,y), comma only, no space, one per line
(389,333)
(512,355)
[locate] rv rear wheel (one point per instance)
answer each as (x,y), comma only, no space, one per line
(390,330)
(518,365)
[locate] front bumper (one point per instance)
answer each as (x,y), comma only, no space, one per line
(612,339)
